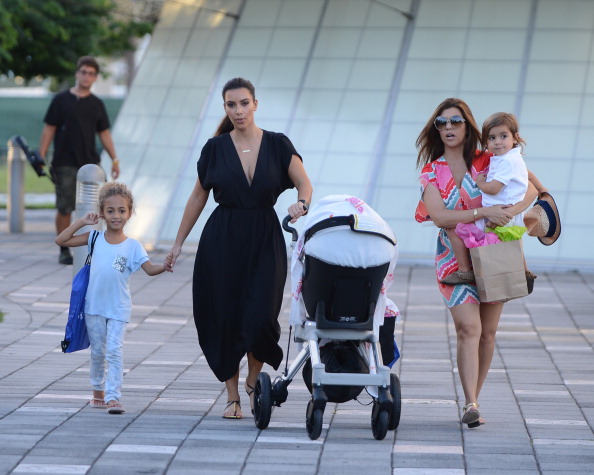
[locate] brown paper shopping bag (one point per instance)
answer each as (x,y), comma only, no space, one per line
(499,271)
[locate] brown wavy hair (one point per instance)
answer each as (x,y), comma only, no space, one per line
(429,143)
(509,121)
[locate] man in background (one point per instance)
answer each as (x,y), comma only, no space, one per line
(71,121)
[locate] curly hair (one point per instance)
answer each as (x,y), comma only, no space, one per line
(115,189)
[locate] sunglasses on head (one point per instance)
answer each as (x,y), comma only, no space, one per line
(441,122)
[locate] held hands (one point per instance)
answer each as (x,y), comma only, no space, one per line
(171,258)
(296,210)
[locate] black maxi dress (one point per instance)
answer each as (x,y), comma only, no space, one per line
(241,262)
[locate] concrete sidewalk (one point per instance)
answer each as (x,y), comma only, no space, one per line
(538,399)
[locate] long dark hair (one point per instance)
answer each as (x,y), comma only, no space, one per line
(429,143)
(236,83)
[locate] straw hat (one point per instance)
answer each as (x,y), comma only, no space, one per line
(543,220)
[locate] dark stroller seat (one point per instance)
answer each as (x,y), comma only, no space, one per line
(341,297)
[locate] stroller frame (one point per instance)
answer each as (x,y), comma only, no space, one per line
(385,412)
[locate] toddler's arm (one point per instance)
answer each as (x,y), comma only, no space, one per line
(154,269)
(537,183)
(491,188)
(67,238)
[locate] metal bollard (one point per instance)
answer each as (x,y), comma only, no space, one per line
(16,187)
(89,180)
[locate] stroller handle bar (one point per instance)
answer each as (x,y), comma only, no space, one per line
(290,229)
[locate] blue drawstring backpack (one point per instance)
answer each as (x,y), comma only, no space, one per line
(76,337)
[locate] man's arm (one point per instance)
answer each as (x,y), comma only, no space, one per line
(107,142)
(47,135)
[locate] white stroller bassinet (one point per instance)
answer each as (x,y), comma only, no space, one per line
(342,263)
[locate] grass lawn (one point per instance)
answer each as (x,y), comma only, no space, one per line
(33,183)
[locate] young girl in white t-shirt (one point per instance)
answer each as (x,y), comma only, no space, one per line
(506,183)
(108,304)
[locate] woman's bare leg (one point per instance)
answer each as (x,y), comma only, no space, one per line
(254,368)
(232,385)
(490,315)
(468,332)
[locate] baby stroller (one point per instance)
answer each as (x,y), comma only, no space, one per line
(341,265)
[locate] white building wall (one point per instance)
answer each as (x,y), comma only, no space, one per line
(352,83)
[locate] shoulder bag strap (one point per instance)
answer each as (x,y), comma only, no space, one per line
(94,238)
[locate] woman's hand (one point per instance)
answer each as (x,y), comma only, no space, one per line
(296,210)
(171,258)
(497,215)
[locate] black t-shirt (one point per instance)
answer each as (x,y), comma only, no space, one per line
(77,120)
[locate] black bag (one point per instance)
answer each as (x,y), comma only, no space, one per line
(339,357)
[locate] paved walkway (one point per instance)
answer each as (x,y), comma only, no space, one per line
(538,398)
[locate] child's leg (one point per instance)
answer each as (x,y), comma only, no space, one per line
(115,359)
(97,331)
(460,250)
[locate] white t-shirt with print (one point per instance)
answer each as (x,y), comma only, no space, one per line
(112,265)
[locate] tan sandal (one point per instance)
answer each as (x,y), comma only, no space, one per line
(97,403)
(250,391)
(471,415)
(114,407)
(236,414)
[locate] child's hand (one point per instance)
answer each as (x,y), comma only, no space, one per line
(90,219)
(481,179)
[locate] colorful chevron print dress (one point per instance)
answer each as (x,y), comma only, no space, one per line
(468,196)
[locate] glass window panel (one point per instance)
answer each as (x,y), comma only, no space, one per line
(384,14)
(329,73)
(363,106)
(501,14)
(477,76)
(260,12)
(250,42)
(538,136)
(568,79)
(566,109)
(291,42)
(249,68)
(354,137)
(282,72)
(177,14)
(345,13)
(585,143)
(337,42)
(371,74)
(492,45)
(301,13)
(189,100)
(380,43)
(432,75)
(315,105)
(429,44)
(207,42)
(565,14)
(196,73)
(437,13)
(311,135)
(551,45)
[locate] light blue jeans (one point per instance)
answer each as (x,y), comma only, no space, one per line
(107,344)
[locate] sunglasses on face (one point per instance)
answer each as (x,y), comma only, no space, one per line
(441,122)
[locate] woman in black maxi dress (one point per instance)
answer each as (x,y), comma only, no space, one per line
(241,263)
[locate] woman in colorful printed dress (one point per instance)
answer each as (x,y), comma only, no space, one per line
(450,163)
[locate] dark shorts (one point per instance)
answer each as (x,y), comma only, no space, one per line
(65,178)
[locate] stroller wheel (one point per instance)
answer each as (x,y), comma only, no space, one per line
(313,420)
(396,402)
(379,421)
(262,401)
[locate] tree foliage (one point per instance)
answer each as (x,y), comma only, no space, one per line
(46,37)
